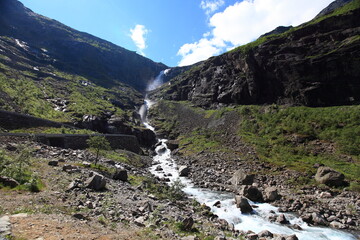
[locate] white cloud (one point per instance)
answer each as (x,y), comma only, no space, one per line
(138,34)
(211,6)
(245,21)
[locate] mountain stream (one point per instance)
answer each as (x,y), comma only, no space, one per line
(255,222)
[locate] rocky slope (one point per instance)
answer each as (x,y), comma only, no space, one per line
(315,64)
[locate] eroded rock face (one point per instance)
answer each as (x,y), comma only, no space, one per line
(330,177)
(304,67)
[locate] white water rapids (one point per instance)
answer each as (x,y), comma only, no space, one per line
(228,211)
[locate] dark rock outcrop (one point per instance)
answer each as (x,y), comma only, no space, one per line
(243,204)
(315,64)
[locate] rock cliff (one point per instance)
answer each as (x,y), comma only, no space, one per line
(315,64)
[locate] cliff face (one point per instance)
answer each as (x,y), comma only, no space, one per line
(316,64)
(76,52)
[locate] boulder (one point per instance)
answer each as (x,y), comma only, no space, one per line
(53,163)
(265,233)
(243,204)
(9,182)
(184,171)
(96,182)
(329,177)
(292,237)
(121,174)
(271,194)
(252,193)
(241,178)
(282,219)
(172,145)
(187,223)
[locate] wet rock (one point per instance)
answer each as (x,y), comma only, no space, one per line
(252,193)
(271,194)
(217,204)
(158,168)
(282,219)
(291,237)
(338,225)
(318,220)
(329,177)
(184,171)
(172,145)
(121,174)
(252,236)
(243,204)
(8,182)
(265,233)
(241,178)
(96,182)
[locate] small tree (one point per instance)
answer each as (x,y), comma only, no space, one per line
(98,144)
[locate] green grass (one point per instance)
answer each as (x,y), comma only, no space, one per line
(271,130)
(50,130)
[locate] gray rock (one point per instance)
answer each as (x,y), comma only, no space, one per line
(318,220)
(243,204)
(97,182)
(329,177)
(282,219)
(184,171)
(5,226)
(140,221)
(252,193)
(338,225)
(8,182)
(271,194)
(292,237)
(265,233)
(121,174)
(241,178)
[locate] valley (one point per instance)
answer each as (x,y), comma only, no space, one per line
(261,142)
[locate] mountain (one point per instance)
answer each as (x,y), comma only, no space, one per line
(77,52)
(314,64)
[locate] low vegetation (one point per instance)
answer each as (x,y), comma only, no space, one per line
(18,166)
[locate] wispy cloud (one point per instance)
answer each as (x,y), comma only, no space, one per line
(245,21)
(211,6)
(138,35)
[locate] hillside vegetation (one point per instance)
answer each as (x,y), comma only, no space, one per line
(295,137)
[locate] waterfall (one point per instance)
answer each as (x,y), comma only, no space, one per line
(158,81)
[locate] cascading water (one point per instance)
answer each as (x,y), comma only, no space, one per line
(256,222)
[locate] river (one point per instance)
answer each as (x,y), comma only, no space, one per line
(255,222)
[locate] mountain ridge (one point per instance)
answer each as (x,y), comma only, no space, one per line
(313,65)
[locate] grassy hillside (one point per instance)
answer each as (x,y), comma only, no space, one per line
(294,137)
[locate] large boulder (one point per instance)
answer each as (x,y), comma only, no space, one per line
(184,171)
(172,144)
(121,174)
(96,182)
(252,193)
(242,178)
(330,177)
(271,194)
(243,204)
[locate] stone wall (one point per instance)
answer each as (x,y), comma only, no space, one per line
(78,141)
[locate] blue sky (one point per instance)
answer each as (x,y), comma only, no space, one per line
(178,32)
